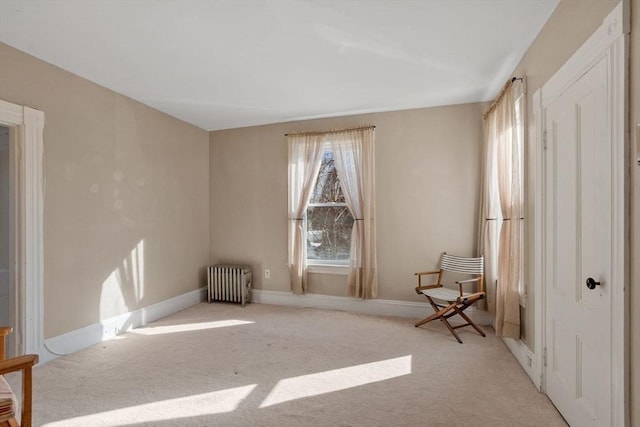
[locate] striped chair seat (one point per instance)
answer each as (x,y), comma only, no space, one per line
(444,294)
(8,401)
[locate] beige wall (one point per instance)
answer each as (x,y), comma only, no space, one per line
(126,211)
(427,170)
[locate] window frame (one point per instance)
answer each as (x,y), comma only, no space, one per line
(320,265)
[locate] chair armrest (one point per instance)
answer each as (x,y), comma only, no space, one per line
(470,299)
(25,364)
(468,280)
(18,363)
(462,282)
(422,273)
(425,273)
(4,331)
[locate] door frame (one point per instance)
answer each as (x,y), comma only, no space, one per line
(610,41)
(26,136)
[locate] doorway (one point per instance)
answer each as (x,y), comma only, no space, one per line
(6,291)
(582,230)
(26,176)
(579,238)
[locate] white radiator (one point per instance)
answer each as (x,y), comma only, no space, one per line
(229,283)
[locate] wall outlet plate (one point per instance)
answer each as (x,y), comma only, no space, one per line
(638,142)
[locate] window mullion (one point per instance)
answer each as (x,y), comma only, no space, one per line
(326,205)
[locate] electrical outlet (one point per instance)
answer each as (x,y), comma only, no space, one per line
(267,273)
(638,142)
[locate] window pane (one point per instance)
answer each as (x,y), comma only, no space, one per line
(329,233)
(328,186)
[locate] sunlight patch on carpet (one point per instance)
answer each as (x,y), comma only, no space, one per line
(189,327)
(338,379)
(216,402)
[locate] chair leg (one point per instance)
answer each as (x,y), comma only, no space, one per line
(453,332)
(438,312)
(426,320)
(445,312)
(470,322)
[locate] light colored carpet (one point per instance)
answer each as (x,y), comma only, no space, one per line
(264,365)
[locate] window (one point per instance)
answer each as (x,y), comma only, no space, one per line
(502,239)
(511,160)
(331,208)
(328,221)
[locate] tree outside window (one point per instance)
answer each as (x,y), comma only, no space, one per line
(329,222)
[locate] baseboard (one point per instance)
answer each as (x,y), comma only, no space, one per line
(109,328)
(416,310)
(528,360)
(85,337)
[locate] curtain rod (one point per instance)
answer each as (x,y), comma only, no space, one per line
(329,131)
(506,86)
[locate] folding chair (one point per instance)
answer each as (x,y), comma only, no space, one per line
(9,403)
(450,302)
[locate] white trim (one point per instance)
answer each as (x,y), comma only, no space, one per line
(11,114)
(529,361)
(379,307)
(610,39)
(109,328)
(33,214)
(536,257)
(326,204)
(586,56)
(29,124)
(620,306)
(328,269)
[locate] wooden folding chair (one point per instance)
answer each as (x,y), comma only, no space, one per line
(9,404)
(448,302)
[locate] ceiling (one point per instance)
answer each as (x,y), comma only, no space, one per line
(231,63)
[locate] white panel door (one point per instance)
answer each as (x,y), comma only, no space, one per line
(578,247)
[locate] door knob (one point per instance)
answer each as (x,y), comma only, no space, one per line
(591,284)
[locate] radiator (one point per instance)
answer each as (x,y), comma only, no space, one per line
(229,283)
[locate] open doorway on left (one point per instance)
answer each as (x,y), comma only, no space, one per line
(7,292)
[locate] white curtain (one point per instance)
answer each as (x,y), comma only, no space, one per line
(305,156)
(502,182)
(353,152)
(490,220)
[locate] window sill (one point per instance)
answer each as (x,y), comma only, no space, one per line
(328,269)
